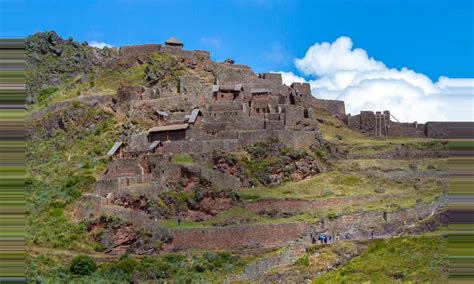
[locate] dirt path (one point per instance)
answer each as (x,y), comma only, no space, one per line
(399,225)
(69,254)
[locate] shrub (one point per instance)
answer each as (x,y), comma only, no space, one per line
(182,159)
(45,93)
(331,216)
(82,265)
(327,192)
(303,261)
(379,190)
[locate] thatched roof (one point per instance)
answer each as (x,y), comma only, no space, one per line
(169,127)
(174,41)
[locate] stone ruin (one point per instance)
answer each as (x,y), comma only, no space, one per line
(382,124)
(219,106)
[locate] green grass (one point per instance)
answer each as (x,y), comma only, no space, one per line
(353,142)
(339,183)
(440,164)
(112,78)
(193,267)
(59,169)
(182,159)
(320,258)
(416,259)
(237,216)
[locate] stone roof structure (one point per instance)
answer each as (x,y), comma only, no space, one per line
(173,41)
(154,145)
(114,148)
(259,91)
(169,127)
(194,115)
(162,113)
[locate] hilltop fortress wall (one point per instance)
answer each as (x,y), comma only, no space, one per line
(381,125)
(232,106)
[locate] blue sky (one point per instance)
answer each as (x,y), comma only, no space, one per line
(430,37)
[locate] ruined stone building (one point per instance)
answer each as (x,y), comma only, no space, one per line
(215,106)
(224,106)
(383,124)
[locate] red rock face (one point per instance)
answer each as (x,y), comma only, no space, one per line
(124,237)
(296,177)
(212,206)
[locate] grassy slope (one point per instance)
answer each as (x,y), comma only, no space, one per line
(59,170)
(62,167)
(417,259)
(196,267)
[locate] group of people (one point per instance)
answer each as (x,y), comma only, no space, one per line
(328,238)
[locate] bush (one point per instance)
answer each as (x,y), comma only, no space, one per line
(327,192)
(304,261)
(182,159)
(379,190)
(45,93)
(82,265)
(332,216)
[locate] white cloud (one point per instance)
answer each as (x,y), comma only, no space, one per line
(327,59)
(289,77)
(100,44)
(364,83)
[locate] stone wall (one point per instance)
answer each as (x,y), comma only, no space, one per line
(124,166)
(137,142)
(200,146)
(133,50)
(242,237)
(406,129)
(293,114)
(445,130)
(273,77)
(137,50)
(333,106)
(365,122)
(128,93)
(218,179)
(303,89)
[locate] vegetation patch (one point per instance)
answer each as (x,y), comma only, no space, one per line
(59,170)
(206,267)
(182,159)
(407,259)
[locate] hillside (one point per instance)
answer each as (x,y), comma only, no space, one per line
(161,164)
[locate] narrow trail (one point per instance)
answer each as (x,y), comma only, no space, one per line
(294,251)
(98,256)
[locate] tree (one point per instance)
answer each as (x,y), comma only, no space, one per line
(82,265)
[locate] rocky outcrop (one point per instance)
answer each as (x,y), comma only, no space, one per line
(51,59)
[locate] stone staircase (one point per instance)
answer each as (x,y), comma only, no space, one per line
(291,253)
